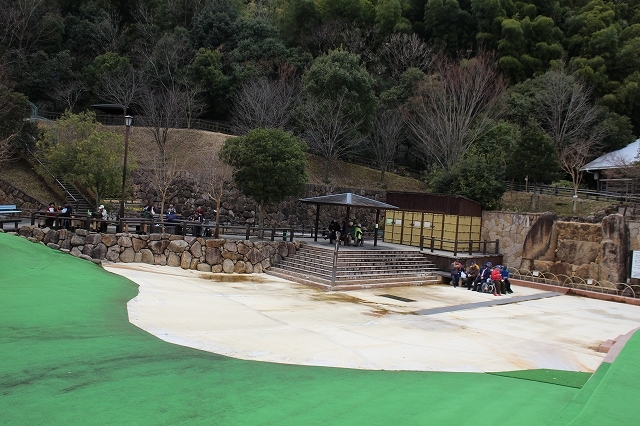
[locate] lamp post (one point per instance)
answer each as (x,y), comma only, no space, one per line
(128,120)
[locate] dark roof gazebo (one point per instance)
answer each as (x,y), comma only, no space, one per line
(349,200)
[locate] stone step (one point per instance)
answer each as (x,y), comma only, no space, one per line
(359,263)
(361,269)
(325,284)
(352,275)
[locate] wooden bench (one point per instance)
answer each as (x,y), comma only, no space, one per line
(9,209)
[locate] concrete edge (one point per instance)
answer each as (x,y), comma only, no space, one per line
(577,292)
(617,347)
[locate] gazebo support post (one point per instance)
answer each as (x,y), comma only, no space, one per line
(375,229)
(317,222)
(346,224)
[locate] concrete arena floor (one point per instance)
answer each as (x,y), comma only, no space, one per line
(263,318)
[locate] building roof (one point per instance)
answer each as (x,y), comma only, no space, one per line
(349,199)
(616,159)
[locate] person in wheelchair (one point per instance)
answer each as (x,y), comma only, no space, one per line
(483,276)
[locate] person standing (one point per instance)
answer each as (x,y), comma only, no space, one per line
(104,216)
(52,211)
(66,211)
(456,268)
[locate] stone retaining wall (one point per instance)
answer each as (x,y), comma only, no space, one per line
(9,194)
(211,255)
(511,229)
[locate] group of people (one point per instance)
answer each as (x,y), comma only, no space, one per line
(349,235)
(475,277)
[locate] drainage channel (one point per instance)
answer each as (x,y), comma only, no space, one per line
(402,299)
(488,303)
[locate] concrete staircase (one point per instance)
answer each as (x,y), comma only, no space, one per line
(356,269)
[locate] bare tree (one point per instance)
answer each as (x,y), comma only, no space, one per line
(121,87)
(565,110)
(574,123)
(24,24)
(162,174)
(217,178)
(12,107)
(263,103)
(403,51)
(328,129)
(385,137)
(573,157)
(163,110)
(454,106)
(69,92)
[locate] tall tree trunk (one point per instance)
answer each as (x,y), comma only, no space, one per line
(261,218)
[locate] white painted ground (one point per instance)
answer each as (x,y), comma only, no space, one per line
(264,318)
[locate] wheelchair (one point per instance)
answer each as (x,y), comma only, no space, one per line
(487,287)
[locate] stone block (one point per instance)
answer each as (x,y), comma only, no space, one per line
(38,234)
(109,240)
(216,268)
(25,231)
(178,246)
(539,243)
(138,244)
(113,253)
(185,260)
(254,256)
(239,267)
(77,240)
(51,237)
(561,268)
(248,268)
(125,241)
(591,270)
(613,252)
(159,259)
(227,266)
(82,232)
(93,238)
(147,256)
(128,255)
(158,247)
(243,248)
(196,249)
(232,256)
(173,259)
(213,255)
(137,258)
(204,267)
(53,246)
(99,251)
(231,247)
(194,263)
(87,249)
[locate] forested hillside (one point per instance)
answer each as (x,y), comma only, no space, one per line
(469,92)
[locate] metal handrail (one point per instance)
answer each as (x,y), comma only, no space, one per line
(600,286)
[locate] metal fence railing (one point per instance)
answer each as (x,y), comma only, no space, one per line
(600,286)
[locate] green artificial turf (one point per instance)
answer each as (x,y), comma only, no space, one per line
(69,356)
(571,379)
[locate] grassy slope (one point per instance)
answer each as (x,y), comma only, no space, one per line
(69,356)
(20,174)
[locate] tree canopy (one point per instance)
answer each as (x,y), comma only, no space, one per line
(269,165)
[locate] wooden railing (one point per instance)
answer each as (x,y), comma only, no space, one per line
(569,192)
(460,246)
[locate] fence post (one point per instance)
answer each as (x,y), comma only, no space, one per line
(470,247)
(484,247)
(273,232)
(455,248)
(433,241)
(421,242)
(497,246)
(291,235)
(248,231)
(33,218)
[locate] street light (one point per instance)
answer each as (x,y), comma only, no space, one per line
(128,120)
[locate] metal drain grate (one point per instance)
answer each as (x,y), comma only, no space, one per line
(402,299)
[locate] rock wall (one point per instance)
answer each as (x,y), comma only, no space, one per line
(544,243)
(9,194)
(577,249)
(237,209)
(212,255)
(511,229)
